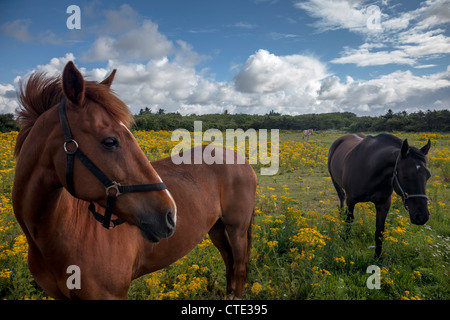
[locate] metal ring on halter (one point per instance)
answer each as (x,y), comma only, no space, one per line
(69,141)
(115,185)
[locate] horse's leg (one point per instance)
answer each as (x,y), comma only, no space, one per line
(239,236)
(340,192)
(349,218)
(238,242)
(382,211)
(220,240)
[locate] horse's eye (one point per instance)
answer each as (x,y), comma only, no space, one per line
(110,143)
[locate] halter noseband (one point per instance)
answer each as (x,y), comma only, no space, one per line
(113,188)
(405,196)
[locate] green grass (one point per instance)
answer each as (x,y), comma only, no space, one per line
(302,248)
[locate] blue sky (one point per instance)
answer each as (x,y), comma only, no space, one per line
(248,56)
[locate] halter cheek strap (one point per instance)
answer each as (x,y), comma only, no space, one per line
(113,189)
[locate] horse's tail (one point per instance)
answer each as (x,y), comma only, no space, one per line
(339,190)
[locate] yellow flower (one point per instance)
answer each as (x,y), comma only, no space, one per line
(5,273)
(194,267)
(416,274)
(310,236)
(340,259)
(272,244)
(256,288)
(182,277)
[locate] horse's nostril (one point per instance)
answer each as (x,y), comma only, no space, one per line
(170,219)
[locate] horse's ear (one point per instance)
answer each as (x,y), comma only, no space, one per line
(73,84)
(405,148)
(426,148)
(108,81)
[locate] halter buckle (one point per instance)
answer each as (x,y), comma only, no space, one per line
(115,186)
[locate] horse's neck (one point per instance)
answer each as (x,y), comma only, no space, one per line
(35,201)
(383,167)
(37,190)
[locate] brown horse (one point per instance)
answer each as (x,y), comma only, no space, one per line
(56,185)
(369,168)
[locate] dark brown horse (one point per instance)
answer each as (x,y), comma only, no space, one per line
(75,154)
(369,168)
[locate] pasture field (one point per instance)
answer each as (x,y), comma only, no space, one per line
(299,248)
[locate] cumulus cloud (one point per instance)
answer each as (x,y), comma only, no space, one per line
(54,67)
(161,83)
(145,42)
(293,84)
(265,72)
(399,90)
(8,100)
(9,91)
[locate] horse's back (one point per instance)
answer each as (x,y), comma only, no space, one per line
(232,180)
(339,152)
(228,169)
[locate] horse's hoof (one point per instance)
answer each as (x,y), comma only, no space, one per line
(231,296)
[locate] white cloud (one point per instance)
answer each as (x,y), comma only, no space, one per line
(8,100)
(161,84)
(185,54)
(419,44)
(410,47)
(55,66)
(293,84)
(407,37)
(399,90)
(267,73)
(145,42)
(434,13)
(362,57)
(8,91)
(332,15)
(126,18)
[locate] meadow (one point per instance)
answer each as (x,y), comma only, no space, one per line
(300,250)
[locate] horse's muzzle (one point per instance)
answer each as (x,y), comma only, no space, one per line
(419,218)
(157,226)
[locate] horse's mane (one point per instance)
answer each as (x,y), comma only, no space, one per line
(40,93)
(396,141)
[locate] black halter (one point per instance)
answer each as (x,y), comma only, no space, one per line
(113,188)
(405,196)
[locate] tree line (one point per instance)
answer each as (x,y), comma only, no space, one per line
(429,121)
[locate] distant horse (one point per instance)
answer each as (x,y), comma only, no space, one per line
(307,133)
(369,168)
(75,154)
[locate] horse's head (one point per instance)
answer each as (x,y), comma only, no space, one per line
(410,179)
(98,123)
